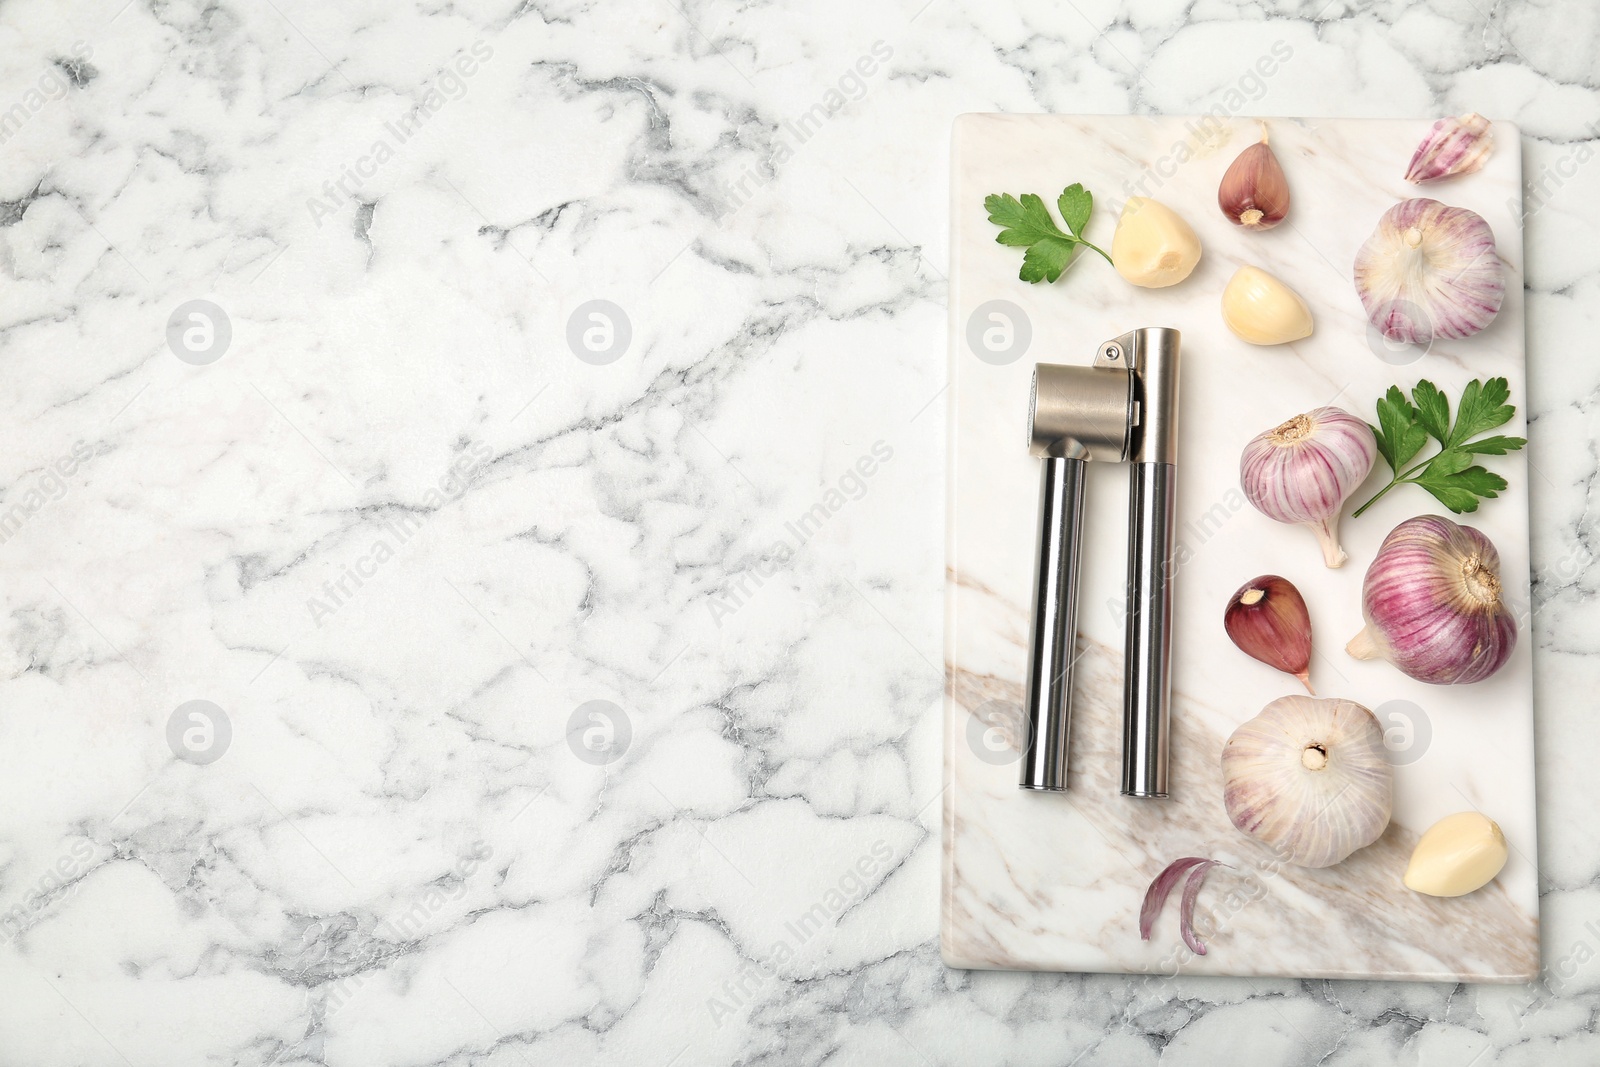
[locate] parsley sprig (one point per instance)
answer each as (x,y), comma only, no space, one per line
(1027,224)
(1404,427)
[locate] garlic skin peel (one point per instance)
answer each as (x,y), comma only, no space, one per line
(1153,247)
(1262,310)
(1303,470)
(1429,270)
(1309,778)
(1432,603)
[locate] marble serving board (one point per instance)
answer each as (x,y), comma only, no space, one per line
(1054,882)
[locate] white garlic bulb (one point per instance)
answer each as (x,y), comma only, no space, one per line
(1430,270)
(1309,778)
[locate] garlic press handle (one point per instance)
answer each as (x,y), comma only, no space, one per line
(1147,649)
(1075,414)
(1152,507)
(1054,624)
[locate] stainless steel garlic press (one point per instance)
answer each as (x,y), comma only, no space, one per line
(1122,408)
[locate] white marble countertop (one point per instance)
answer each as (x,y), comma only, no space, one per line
(400,512)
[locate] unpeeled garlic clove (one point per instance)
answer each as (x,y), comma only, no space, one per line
(1267,619)
(1254,193)
(1153,247)
(1453,146)
(1262,310)
(1459,854)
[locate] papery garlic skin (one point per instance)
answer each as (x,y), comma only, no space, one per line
(1459,854)
(1453,146)
(1254,193)
(1191,870)
(1309,778)
(1430,270)
(1153,247)
(1303,471)
(1432,603)
(1262,310)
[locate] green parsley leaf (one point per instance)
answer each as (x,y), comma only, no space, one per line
(1076,204)
(1399,433)
(1026,223)
(1449,474)
(1046,258)
(1459,491)
(1494,446)
(1483,407)
(1433,410)
(1447,463)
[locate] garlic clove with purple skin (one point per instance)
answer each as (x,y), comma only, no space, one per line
(1267,619)
(1309,778)
(1432,603)
(1453,146)
(1303,470)
(1429,270)
(1254,193)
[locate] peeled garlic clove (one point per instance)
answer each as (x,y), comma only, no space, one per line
(1262,310)
(1153,247)
(1429,270)
(1459,854)
(1309,778)
(1453,146)
(1303,470)
(1432,603)
(1267,619)
(1254,193)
